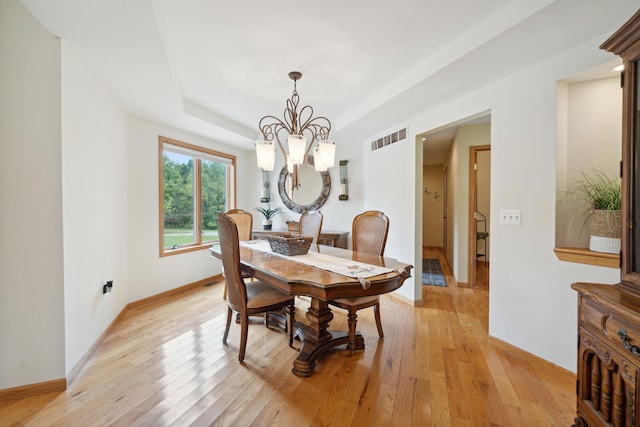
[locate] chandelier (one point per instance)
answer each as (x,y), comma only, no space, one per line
(295,126)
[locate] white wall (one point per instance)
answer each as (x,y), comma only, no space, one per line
(531,304)
(31,260)
(94,175)
(147,271)
(389,177)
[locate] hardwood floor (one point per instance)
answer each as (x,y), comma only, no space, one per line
(482,275)
(164,364)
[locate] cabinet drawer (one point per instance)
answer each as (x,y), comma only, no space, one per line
(608,327)
(593,317)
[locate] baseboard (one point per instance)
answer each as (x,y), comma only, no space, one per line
(416,303)
(174,291)
(564,373)
(29,390)
(71,376)
(61,384)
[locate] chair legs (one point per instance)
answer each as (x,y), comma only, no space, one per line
(353,321)
(244,327)
(376,312)
(244,331)
(226,329)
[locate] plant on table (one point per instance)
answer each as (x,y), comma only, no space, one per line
(268,214)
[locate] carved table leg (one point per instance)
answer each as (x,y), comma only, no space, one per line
(316,339)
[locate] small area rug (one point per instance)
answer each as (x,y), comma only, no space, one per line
(432,273)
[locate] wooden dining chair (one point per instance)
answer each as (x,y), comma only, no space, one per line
(244,222)
(248,298)
(369,234)
(311,225)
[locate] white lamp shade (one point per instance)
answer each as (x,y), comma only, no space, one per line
(327,151)
(265,155)
(297,146)
(318,161)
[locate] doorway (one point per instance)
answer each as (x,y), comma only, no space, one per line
(445,165)
(479,214)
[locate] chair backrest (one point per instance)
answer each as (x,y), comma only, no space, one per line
(311,224)
(230,248)
(244,222)
(369,232)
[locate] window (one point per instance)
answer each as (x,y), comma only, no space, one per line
(195,183)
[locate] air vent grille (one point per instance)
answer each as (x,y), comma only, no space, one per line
(392,138)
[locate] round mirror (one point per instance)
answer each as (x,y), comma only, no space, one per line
(313,189)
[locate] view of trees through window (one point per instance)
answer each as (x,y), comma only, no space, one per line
(195,185)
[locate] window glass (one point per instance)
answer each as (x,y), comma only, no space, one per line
(214,191)
(178,173)
(195,184)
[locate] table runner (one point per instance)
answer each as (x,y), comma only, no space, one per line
(345,267)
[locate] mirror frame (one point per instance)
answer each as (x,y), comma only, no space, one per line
(317,203)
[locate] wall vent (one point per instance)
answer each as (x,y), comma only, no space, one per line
(389,139)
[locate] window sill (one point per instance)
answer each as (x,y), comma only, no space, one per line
(184,249)
(585,256)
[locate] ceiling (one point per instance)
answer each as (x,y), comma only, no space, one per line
(216,67)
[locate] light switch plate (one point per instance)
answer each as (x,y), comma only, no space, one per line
(510,216)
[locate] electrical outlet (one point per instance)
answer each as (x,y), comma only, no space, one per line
(510,216)
(107,287)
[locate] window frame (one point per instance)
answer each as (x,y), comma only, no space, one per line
(197,191)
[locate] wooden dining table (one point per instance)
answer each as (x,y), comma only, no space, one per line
(297,278)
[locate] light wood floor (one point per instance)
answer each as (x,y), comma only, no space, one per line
(164,364)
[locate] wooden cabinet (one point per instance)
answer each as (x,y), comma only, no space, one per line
(608,356)
(609,315)
(337,239)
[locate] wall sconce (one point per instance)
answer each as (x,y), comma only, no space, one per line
(344,181)
(265,194)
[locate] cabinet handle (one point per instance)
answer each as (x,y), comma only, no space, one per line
(625,342)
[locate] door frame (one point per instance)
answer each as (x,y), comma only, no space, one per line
(445,199)
(473,203)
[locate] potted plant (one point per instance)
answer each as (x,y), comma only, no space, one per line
(268,214)
(603,194)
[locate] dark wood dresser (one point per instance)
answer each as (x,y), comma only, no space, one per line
(609,315)
(608,356)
